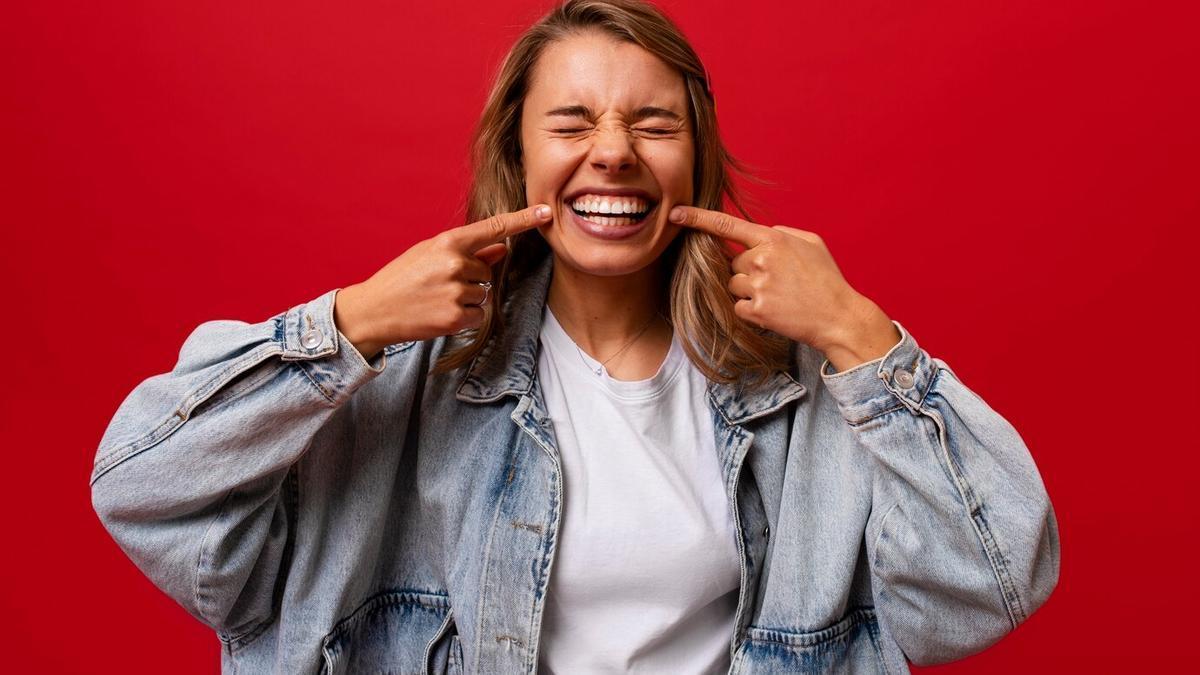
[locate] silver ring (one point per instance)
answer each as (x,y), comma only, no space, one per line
(487,288)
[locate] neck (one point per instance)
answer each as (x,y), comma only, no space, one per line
(603,313)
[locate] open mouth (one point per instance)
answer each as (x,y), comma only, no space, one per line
(612,226)
(613,220)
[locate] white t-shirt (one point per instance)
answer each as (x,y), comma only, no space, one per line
(646,575)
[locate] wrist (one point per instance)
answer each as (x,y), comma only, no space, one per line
(867,334)
(349,322)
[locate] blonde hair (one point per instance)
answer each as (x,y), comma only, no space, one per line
(721,344)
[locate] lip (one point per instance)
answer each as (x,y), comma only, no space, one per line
(610,232)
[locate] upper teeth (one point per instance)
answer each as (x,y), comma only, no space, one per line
(608,204)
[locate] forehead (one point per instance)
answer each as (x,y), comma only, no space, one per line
(600,71)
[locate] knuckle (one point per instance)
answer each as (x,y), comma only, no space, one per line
(724,224)
(496,227)
(455,266)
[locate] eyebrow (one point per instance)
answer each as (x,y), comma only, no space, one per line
(638,115)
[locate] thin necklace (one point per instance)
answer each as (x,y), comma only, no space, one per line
(600,369)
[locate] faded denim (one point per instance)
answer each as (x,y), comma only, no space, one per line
(328,515)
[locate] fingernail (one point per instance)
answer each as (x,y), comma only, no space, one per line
(543,211)
(676,215)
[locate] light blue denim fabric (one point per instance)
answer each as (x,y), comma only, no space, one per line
(327,515)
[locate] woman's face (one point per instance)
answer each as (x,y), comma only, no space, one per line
(605,131)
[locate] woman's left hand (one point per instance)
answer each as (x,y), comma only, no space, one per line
(786,281)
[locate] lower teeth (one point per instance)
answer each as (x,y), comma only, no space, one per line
(612,220)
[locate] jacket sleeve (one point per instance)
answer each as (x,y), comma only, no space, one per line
(962,539)
(191,476)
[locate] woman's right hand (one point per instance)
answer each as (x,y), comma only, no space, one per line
(433,288)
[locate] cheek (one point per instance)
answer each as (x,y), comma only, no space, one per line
(673,169)
(549,169)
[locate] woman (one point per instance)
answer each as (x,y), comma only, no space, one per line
(575,434)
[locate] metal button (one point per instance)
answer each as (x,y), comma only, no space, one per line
(903,378)
(311,339)
(766,530)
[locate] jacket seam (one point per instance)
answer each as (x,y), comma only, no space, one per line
(179,416)
(328,396)
(881,413)
(200,561)
(1012,602)
(235,643)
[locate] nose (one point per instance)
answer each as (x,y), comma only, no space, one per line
(612,152)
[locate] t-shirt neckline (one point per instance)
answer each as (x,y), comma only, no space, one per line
(579,360)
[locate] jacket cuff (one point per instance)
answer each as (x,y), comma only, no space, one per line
(310,336)
(898,379)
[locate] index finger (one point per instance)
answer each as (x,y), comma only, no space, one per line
(721,224)
(500,226)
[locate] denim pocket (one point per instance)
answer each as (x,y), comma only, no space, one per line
(850,645)
(387,633)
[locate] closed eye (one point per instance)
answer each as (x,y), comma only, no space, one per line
(643,130)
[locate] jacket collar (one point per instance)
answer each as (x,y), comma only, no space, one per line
(507,363)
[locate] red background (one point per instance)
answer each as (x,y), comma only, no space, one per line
(1016,182)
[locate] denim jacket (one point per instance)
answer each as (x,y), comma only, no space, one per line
(326,514)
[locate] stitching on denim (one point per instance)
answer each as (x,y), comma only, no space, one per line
(399,347)
(1008,587)
(906,404)
(173,421)
(430,601)
(546,556)
(393,597)
(326,394)
(232,390)
(546,551)
(236,643)
(716,405)
(835,632)
(428,651)
(487,551)
(739,657)
(982,530)
(877,415)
